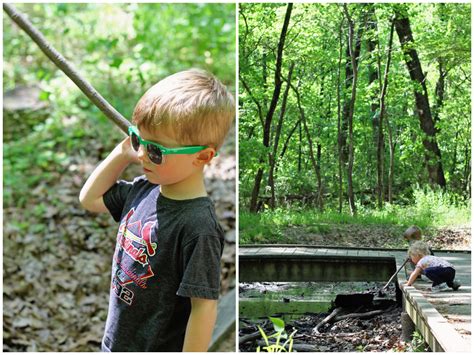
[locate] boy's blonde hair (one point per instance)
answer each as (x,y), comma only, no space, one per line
(418,248)
(192,105)
(412,233)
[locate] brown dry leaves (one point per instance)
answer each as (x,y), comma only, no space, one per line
(57,260)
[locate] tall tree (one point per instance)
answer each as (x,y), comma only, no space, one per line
(271,110)
(276,140)
(314,161)
(350,113)
(432,151)
(383,114)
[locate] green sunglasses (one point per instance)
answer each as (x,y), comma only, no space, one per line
(156,151)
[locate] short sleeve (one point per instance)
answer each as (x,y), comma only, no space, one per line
(115,197)
(202,264)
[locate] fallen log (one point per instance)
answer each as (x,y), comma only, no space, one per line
(336,335)
(249,337)
(364,315)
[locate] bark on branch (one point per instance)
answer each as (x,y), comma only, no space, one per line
(66,67)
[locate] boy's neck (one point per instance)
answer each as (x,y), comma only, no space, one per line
(192,187)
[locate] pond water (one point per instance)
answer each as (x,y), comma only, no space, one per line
(291,300)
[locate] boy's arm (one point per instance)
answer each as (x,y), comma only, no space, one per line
(105,175)
(200,325)
(413,276)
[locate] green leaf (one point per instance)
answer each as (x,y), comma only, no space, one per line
(278,324)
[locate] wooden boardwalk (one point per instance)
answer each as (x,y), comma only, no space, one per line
(444,318)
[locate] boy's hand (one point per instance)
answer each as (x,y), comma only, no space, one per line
(105,175)
(125,148)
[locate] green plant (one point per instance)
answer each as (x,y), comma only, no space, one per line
(280,333)
(361,348)
(417,344)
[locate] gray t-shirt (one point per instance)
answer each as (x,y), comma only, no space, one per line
(166,252)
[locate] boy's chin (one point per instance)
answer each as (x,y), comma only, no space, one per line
(153,179)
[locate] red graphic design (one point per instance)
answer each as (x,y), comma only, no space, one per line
(127,241)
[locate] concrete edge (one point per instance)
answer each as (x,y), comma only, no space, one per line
(463,251)
(437,331)
(375,258)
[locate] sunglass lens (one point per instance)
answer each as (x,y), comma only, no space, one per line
(155,154)
(135,142)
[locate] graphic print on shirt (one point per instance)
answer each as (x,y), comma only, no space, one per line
(135,245)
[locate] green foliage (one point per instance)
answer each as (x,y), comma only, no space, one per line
(280,333)
(122,49)
(442,40)
(431,209)
(416,345)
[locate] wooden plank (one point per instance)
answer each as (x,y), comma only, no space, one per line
(225,322)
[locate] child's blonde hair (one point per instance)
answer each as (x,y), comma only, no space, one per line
(418,248)
(192,105)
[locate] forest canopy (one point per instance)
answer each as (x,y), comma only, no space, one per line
(353,106)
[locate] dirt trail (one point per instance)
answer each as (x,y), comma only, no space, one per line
(375,236)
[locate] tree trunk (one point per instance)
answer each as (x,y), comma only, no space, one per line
(432,151)
(347,103)
(440,84)
(467,171)
(287,142)
(350,163)
(318,176)
(299,148)
(380,147)
(310,141)
(272,155)
(339,134)
(271,109)
(375,75)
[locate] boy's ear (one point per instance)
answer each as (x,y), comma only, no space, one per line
(205,156)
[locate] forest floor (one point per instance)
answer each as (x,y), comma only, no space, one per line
(57,256)
(373,236)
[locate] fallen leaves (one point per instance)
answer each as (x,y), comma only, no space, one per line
(57,260)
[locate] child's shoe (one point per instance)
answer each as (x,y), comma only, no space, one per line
(439,288)
(456,285)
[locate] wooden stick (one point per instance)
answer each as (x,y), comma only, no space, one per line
(327,319)
(359,315)
(61,62)
(395,274)
(337,335)
(249,337)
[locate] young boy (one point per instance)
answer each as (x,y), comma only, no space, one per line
(412,234)
(438,270)
(166,266)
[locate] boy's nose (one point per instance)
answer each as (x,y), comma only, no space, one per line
(141,153)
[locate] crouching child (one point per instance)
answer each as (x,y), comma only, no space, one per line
(437,269)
